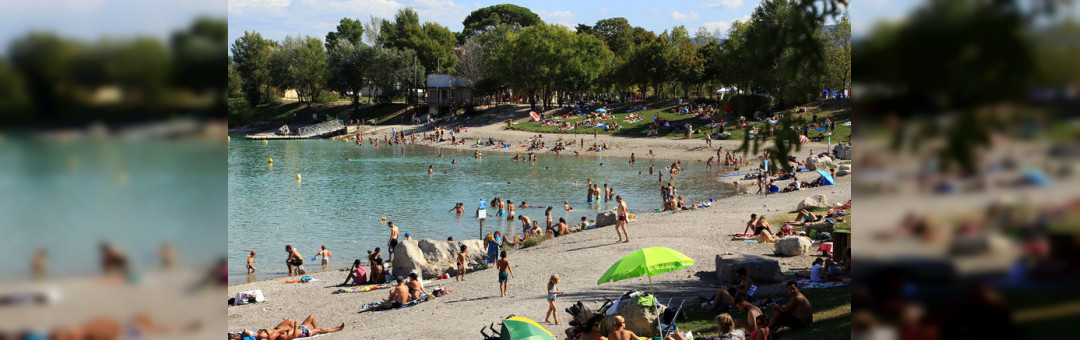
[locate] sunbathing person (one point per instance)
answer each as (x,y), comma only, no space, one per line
(287,330)
(416,287)
(752,312)
(398,296)
(727,295)
(764,232)
(749,225)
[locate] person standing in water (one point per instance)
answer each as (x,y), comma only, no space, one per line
(325,255)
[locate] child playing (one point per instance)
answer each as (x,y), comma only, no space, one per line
(251,262)
(505,273)
(462,257)
(552,293)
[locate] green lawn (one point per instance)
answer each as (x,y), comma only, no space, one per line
(832,316)
(640,128)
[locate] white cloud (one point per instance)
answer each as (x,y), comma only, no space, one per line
(555,16)
(257,6)
(603,10)
(732,4)
(679,16)
(723,26)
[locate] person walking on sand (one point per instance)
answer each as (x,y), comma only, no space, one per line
(294,260)
(251,262)
(462,258)
(505,273)
(620,332)
(393,241)
(620,224)
(552,292)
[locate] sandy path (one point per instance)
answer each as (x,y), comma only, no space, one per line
(579,258)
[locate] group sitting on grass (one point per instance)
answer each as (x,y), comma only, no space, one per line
(796,314)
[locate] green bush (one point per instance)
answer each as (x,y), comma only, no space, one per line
(240,113)
(325,97)
(747,104)
(535,240)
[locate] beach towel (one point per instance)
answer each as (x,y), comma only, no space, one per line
(309,337)
(359,289)
(806,283)
(244,297)
(365,307)
(821,128)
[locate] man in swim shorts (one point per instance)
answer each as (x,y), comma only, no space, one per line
(505,273)
(294,261)
(393,241)
(620,224)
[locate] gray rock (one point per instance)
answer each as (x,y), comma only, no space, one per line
(605,218)
(816,201)
(640,320)
(432,258)
(820,163)
(758,268)
(723,136)
(792,246)
(844,170)
(842,151)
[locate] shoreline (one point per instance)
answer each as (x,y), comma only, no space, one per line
(579,258)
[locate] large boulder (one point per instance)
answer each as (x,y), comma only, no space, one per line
(723,136)
(605,218)
(432,258)
(842,151)
(639,319)
(792,246)
(844,170)
(816,201)
(820,163)
(758,268)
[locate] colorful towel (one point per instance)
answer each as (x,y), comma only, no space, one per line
(358,289)
(365,307)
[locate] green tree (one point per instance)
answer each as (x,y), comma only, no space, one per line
(348,65)
(300,64)
(372,30)
(351,30)
(481,20)
(390,70)
(197,55)
(545,58)
(837,52)
(235,83)
(43,61)
(252,55)
(617,35)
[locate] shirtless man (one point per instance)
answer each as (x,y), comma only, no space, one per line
(796,313)
(415,286)
(620,332)
(505,273)
(398,296)
(462,258)
(620,224)
(294,260)
(561,228)
(526,225)
(752,313)
(393,241)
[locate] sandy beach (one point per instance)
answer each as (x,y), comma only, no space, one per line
(579,258)
(686,150)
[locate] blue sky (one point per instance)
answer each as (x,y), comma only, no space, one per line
(277,18)
(89,20)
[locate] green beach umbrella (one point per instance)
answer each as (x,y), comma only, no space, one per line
(648,262)
(519,328)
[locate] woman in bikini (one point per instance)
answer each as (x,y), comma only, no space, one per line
(287,330)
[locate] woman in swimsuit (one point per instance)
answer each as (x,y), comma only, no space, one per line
(287,330)
(547,213)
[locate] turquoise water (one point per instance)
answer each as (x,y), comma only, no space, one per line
(340,203)
(67,195)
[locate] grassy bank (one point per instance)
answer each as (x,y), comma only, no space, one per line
(837,111)
(240,114)
(832,316)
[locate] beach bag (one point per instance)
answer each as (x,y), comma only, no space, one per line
(249,296)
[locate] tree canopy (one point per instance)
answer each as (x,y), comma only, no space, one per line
(481,20)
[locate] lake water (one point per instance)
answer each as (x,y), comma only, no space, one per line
(340,203)
(67,195)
